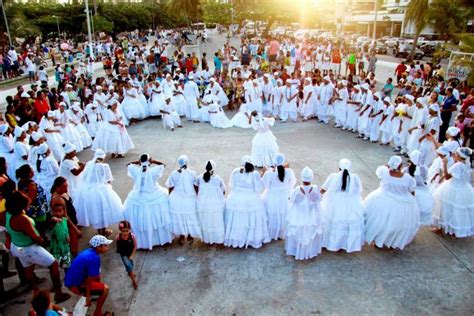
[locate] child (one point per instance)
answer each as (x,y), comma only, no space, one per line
(41,305)
(60,240)
(126,248)
(304,231)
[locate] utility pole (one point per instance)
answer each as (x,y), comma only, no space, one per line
(375,22)
(6,24)
(91,52)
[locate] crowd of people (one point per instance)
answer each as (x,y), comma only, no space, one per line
(48,194)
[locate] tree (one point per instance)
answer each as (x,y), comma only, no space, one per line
(448,17)
(186,10)
(417,14)
(466,45)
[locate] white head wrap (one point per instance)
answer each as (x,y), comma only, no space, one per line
(394,162)
(357,87)
(190,77)
(279,160)
(3,128)
(182,161)
(24,94)
(246,159)
(98,87)
(443,150)
(451,146)
(344,83)
(42,149)
(36,136)
(18,131)
(50,114)
(453,131)
(387,99)
(410,97)
(69,148)
(327,78)
(464,152)
(434,107)
(421,101)
(99,154)
(345,164)
(307,174)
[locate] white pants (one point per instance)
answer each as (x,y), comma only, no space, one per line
(30,255)
(285,114)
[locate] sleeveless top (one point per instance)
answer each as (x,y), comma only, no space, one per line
(19,239)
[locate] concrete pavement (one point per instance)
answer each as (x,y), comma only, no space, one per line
(433,275)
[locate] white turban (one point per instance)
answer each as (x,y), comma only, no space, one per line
(415,156)
(99,154)
(410,97)
(98,87)
(434,107)
(421,101)
(345,164)
(3,128)
(36,136)
(394,162)
(50,114)
(42,149)
(443,150)
(246,159)
(378,95)
(387,99)
(327,78)
(453,131)
(307,174)
(18,131)
(182,161)
(464,152)
(69,148)
(279,160)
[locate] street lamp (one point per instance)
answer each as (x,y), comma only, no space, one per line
(57,23)
(6,23)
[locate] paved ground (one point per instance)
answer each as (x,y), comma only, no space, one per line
(433,275)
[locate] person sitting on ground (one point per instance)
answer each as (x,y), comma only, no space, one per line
(83,276)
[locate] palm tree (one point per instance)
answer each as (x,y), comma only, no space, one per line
(417,14)
(190,10)
(448,17)
(466,45)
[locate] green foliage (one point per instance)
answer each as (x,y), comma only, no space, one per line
(214,12)
(185,11)
(102,24)
(447,17)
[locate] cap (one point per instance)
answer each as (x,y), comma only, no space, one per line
(307,174)
(99,240)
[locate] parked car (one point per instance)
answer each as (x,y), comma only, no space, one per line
(408,47)
(380,48)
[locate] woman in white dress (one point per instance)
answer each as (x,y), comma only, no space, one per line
(21,151)
(68,130)
(146,206)
(386,122)
(436,170)
(77,119)
(340,104)
(277,97)
(169,115)
(181,185)
(307,109)
(264,145)
(392,216)
(96,202)
(6,148)
(342,210)
(178,100)
(157,99)
(131,105)
(52,132)
(423,196)
(278,182)
(93,119)
(427,147)
(47,169)
(112,135)
(211,205)
(242,118)
(217,116)
(71,168)
(454,198)
(245,216)
(304,225)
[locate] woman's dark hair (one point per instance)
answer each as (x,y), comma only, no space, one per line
(57,183)
(281,173)
(412,169)
(207,175)
(8,188)
(144,158)
(23,172)
(16,203)
(248,167)
(40,303)
(3,166)
(345,179)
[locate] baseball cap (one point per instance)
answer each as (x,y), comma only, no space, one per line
(99,240)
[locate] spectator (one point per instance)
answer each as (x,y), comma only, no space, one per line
(449,106)
(25,244)
(83,277)
(41,305)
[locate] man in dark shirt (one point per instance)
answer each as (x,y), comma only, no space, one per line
(83,277)
(449,106)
